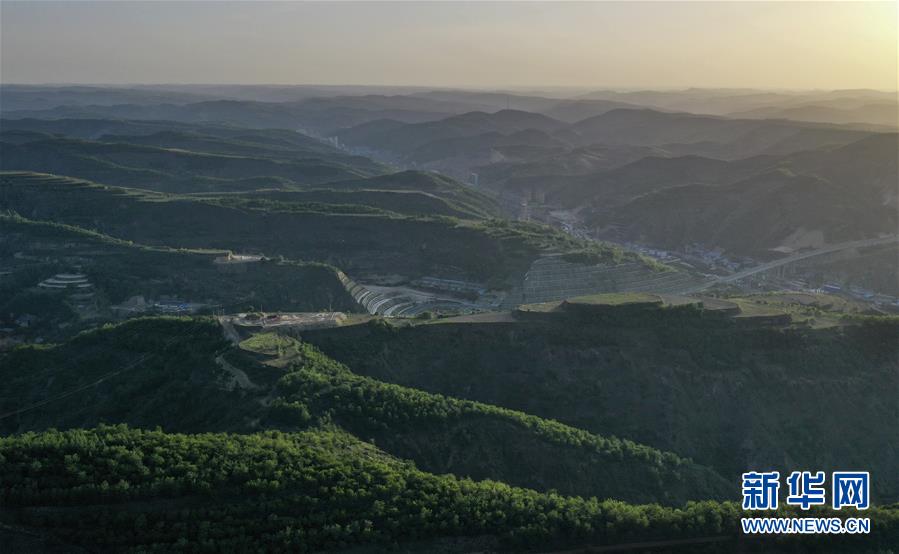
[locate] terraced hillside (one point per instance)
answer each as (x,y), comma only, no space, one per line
(128,279)
(185,158)
(404,202)
(553,278)
(213,163)
(210,137)
(360,240)
(404,301)
(456,195)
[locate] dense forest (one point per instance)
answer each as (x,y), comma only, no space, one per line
(120,488)
(678,379)
(324,459)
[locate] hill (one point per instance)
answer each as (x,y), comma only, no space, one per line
(361,240)
(732,101)
(748,207)
(237,492)
(146,372)
(175,157)
(716,137)
(128,279)
(106,375)
(37,97)
(695,382)
(483,146)
(401,140)
(609,188)
(574,110)
(158,479)
(446,435)
(320,115)
(755,216)
(318,484)
(551,169)
(465,199)
(885,114)
(180,162)
(835,195)
(204,137)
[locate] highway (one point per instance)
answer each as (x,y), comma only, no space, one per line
(797,257)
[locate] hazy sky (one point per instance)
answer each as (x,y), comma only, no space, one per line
(633,44)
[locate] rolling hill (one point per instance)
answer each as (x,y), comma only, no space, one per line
(179,162)
(182,358)
(753,205)
(326,319)
(879,114)
(302,452)
(716,137)
(361,240)
(320,115)
(130,279)
(729,394)
(401,140)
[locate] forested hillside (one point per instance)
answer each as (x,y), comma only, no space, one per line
(181,374)
(353,237)
(118,489)
(128,278)
(332,477)
(728,395)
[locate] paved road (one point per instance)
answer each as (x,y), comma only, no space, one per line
(796,257)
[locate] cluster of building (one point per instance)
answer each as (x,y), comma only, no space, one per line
(715,259)
(860,293)
(654,253)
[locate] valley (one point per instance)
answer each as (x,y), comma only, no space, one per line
(343,319)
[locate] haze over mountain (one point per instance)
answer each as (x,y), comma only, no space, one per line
(499,277)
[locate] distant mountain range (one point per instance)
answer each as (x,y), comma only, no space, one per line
(629,163)
(833,194)
(885,114)
(179,160)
